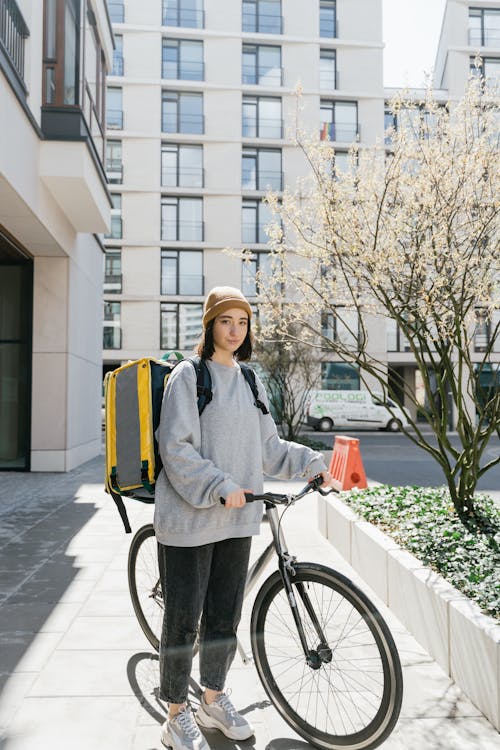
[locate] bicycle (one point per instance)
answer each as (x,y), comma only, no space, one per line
(332,669)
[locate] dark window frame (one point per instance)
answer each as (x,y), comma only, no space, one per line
(176,305)
(257,49)
(329,4)
(170,146)
(258,152)
(177,44)
(174,96)
(177,198)
(259,26)
(176,252)
(256,100)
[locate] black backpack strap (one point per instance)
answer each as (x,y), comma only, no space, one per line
(121,510)
(249,375)
(203,382)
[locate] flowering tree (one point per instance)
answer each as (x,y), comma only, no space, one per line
(407,234)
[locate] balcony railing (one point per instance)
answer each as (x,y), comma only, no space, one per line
(328,80)
(186,17)
(184,71)
(255,233)
(182,231)
(193,124)
(116,11)
(117,65)
(262,76)
(114,119)
(188,284)
(112,283)
(266,180)
(328,28)
(112,337)
(13,32)
(488,38)
(340,133)
(262,23)
(116,230)
(260,127)
(185,177)
(114,170)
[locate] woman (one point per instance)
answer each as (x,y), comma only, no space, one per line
(203,546)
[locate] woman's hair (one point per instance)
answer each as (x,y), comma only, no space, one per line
(205,347)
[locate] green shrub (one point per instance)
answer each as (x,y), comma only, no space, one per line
(423,521)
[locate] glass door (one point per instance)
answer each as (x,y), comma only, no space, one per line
(16,294)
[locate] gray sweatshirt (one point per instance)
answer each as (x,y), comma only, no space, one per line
(231,445)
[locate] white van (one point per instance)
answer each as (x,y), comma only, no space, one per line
(328,409)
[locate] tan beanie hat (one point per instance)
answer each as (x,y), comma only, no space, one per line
(223,298)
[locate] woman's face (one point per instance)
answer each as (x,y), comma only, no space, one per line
(230,329)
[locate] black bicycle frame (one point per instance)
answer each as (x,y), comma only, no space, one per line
(286,568)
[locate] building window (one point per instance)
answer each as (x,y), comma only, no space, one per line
(263,16)
(262,117)
(181,165)
(339,376)
(112,334)
(254,267)
(261,169)
(114,108)
(182,112)
(484,27)
(61,60)
(339,121)
(114,164)
(341,326)
(116,231)
(327,69)
(113,271)
(328,19)
(116,11)
(181,325)
(261,64)
(182,59)
(489,68)
(181,219)
(396,341)
(182,272)
(118,56)
(188,13)
(255,217)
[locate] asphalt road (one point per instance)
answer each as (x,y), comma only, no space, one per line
(391,458)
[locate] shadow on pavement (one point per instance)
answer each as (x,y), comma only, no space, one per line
(38,519)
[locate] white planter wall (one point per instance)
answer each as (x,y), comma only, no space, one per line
(452,629)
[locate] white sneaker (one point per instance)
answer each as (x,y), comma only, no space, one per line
(182,732)
(222,715)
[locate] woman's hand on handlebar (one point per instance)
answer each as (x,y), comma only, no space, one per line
(236,499)
(327,478)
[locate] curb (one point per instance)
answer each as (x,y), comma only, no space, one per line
(451,628)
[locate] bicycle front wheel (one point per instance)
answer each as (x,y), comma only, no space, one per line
(348,693)
(144,583)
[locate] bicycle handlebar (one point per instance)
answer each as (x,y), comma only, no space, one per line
(276,499)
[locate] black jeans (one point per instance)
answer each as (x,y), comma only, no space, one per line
(206,581)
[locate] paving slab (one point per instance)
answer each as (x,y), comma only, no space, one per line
(77,671)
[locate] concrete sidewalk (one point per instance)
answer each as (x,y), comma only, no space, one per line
(76,670)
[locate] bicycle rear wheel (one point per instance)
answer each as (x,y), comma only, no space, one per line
(144,583)
(351,697)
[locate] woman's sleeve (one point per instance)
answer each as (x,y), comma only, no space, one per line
(284,459)
(196,479)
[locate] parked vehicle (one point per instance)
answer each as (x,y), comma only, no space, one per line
(329,409)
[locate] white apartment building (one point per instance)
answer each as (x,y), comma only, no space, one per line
(54,56)
(201,109)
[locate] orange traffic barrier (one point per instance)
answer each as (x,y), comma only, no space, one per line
(346,465)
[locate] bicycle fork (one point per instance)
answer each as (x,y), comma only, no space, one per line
(315,657)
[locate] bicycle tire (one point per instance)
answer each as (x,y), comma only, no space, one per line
(353,700)
(144,583)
